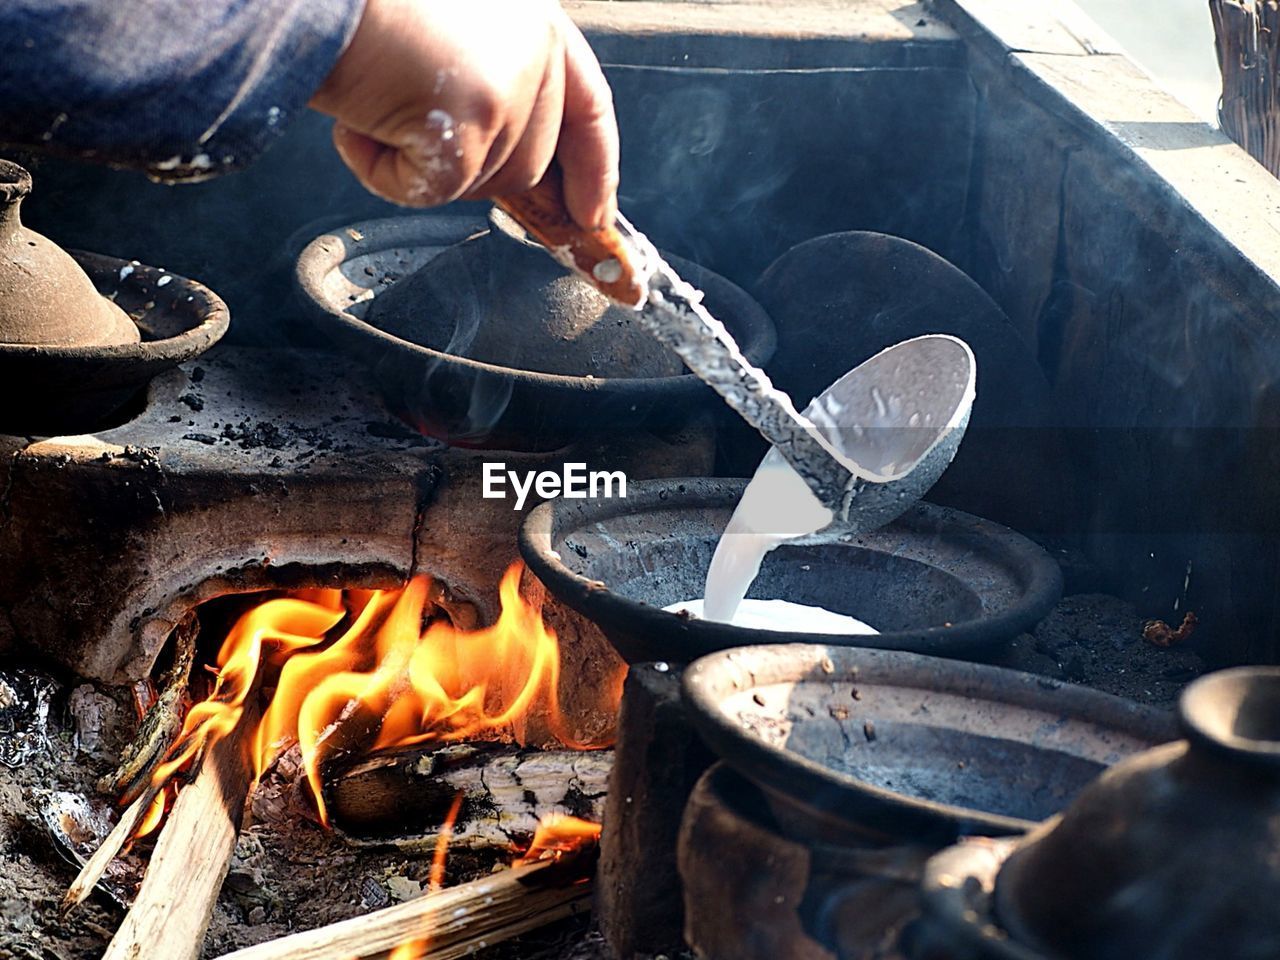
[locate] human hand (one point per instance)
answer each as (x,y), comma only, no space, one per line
(437,100)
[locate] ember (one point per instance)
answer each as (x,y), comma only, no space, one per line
(1160,634)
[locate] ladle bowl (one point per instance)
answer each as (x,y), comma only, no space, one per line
(895,423)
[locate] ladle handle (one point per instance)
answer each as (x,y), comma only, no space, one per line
(622,264)
(602,257)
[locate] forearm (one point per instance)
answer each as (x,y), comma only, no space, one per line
(182,89)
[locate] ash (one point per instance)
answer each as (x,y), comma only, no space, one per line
(288,873)
(53,755)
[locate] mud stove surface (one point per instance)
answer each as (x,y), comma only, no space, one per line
(264,476)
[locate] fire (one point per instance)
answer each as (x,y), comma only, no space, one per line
(358,670)
(558,834)
(416,948)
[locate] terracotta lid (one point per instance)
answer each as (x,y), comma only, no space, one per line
(45,298)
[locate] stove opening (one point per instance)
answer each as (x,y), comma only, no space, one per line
(364,732)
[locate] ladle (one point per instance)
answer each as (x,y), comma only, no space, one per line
(866,449)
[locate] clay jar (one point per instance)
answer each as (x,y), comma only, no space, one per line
(500,299)
(46,300)
(1174,853)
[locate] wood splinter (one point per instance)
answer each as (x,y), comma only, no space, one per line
(107,851)
(175,903)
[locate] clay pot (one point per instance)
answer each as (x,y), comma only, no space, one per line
(1172,854)
(350,281)
(46,300)
(934,581)
(500,299)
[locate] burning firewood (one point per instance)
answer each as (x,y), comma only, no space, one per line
(211,761)
(345,674)
(178,893)
(455,922)
(133,778)
(505,791)
(161,722)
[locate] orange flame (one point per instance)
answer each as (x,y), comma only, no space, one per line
(435,879)
(358,670)
(153,816)
(557,834)
(415,949)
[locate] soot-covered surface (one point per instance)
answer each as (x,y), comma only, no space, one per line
(1097,640)
(290,874)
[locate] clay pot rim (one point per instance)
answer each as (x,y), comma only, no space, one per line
(1210,706)
(708,681)
(215,318)
(329,251)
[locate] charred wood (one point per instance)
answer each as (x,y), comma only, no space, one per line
(506,790)
(162,721)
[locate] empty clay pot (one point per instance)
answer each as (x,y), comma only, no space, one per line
(1174,853)
(46,300)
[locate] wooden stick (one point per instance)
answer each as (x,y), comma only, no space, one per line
(455,922)
(162,723)
(505,791)
(109,849)
(175,903)
(1247,33)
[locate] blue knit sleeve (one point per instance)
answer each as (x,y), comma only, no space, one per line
(184,89)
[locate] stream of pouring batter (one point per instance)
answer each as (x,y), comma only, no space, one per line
(776,506)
